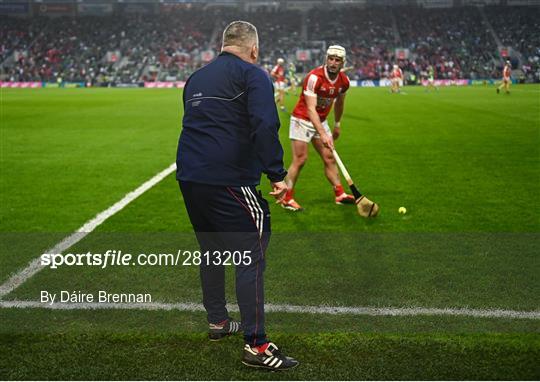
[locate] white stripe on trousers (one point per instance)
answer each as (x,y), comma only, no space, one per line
(255,208)
(261,212)
(254,212)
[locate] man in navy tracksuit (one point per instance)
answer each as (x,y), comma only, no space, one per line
(229,138)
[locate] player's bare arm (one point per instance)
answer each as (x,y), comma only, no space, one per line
(339,106)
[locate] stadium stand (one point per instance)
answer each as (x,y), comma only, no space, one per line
(518,29)
(458,42)
(367,33)
(455,41)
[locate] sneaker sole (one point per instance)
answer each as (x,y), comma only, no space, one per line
(268,368)
(219,337)
(292,208)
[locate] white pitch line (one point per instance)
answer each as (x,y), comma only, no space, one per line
(35,265)
(285,308)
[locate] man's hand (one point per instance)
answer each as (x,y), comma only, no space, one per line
(279,190)
(327,141)
(336,133)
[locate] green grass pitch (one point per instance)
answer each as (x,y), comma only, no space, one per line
(464,161)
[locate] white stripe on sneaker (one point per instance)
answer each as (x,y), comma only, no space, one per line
(266,361)
(249,349)
(274,361)
(278,364)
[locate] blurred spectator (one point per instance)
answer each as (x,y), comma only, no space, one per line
(170,46)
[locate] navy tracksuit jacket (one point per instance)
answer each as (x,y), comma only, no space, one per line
(229,138)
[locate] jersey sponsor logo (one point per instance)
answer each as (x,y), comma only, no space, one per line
(324,102)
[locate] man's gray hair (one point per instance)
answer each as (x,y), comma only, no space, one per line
(240,33)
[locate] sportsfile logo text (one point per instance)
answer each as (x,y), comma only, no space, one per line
(119,258)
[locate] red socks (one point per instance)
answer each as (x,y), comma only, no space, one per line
(290,194)
(261,348)
(338,190)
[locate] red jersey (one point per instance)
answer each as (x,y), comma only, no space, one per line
(397,73)
(507,71)
(278,73)
(317,83)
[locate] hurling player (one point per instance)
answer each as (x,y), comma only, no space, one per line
(322,87)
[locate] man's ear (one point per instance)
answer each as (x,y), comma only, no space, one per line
(254,53)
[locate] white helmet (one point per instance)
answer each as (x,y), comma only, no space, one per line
(395,66)
(280,61)
(336,50)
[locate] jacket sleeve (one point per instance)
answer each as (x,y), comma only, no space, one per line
(264,121)
(184,94)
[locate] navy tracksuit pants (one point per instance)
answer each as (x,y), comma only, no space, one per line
(234,219)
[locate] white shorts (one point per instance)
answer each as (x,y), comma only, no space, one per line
(301,130)
(279,85)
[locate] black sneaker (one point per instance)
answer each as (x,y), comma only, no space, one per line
(219,331)
(271,359)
